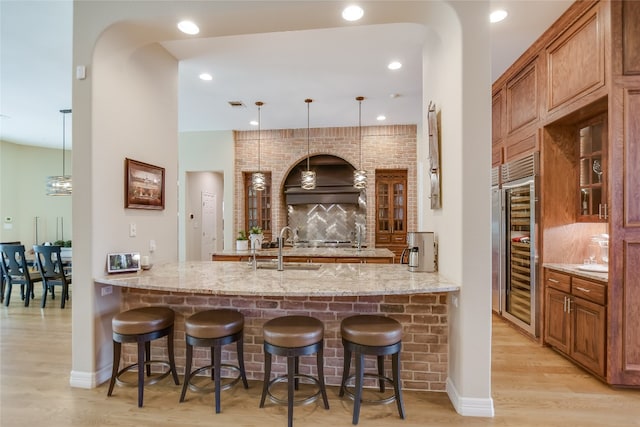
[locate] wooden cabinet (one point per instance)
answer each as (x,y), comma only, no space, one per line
(575,319)
(576,60)
(304,259)
(522,98)
(391,209)
(257,206)
(592,144)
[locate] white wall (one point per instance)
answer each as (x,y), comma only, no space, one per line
(23,175)
(146,130)
(210,152)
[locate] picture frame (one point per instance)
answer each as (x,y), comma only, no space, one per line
(143,185)
(123,262)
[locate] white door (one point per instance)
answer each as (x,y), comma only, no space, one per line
(209,232)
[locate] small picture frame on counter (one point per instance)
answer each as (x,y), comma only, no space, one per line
(123,262)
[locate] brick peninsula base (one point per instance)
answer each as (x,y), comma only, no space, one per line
(329,292)
(424,354)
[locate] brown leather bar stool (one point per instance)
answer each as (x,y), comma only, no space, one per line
(371,335)
(292,337)
(214,329)
(142,325)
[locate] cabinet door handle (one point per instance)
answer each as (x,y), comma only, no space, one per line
(583,289)
(552,280)
(606,211)
(564,305)
(569,305)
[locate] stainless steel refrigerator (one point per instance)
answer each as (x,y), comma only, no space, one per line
(515,239)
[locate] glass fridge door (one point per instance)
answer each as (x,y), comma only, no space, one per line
(519,263)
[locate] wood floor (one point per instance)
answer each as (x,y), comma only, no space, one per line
(532,386)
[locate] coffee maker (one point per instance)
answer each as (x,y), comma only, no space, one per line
(421,252)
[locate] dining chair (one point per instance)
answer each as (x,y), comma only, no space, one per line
(15,271)
(49,262)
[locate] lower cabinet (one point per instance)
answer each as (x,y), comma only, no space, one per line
(575,319)
(321,260)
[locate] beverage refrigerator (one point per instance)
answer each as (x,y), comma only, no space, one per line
(514,243)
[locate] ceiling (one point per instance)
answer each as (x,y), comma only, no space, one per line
(331,66)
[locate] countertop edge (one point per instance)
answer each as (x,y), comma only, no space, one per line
(231,278)
(573,269)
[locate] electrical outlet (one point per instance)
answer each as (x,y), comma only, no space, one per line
(152,245)
(106,290)
(132,230)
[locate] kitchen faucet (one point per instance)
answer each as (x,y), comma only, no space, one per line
(280,245)
(358,236)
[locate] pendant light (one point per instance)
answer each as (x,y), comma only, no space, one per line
(60,185)
(308,176)
(360,176)
(258,180)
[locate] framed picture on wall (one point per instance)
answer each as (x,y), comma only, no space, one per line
(123,262)
(143,185)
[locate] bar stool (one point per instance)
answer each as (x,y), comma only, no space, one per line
(142,325)
(292,337)
(371,335)
(214,329)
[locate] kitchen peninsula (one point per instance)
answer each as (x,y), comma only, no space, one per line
(329,292)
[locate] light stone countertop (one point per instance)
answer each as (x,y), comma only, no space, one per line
(239,278)
(316,252)
(573,269)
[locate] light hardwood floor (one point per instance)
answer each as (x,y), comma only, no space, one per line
(532,386)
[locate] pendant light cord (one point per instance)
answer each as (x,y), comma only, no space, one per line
(64,135)
(259,104)
(308,101)
(360,98)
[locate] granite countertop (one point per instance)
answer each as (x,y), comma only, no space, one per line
(317,252)
(576,271)
(298,279)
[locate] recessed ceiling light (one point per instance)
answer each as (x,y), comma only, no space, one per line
(498,15)
(381,117)
(253,123)
(395,65)
(206,76)
(352,13)
(188,27)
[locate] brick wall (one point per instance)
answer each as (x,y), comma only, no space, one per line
(383,147)
(424,354)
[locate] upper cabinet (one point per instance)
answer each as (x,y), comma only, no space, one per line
(522,98)
(391,209)
(576,60)
(592,164)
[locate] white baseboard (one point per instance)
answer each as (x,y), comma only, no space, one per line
(468,406)
(89,379)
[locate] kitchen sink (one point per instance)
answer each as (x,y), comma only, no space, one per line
(289,266)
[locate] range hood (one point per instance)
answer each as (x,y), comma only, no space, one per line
(334,182)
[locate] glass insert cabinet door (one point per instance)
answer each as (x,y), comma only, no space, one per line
(391,206)
(592,158)
(258,206)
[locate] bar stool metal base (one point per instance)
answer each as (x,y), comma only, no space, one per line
(210,388)
(143,341)
(293,376)
(298,402)
(359,351)
(149,380)
(216,345)
(352,395)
